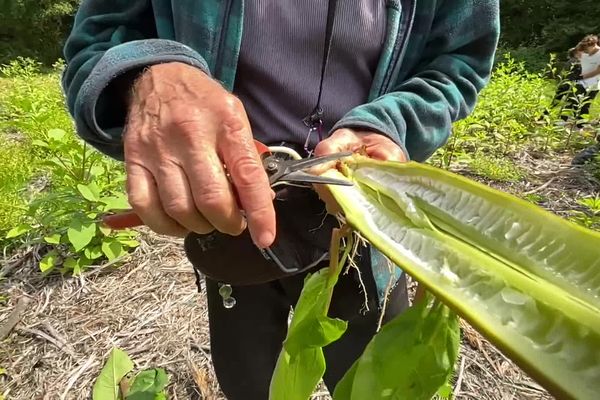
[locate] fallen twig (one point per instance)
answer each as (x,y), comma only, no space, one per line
(459,380)
(540,188)
(90,361)
(14,317)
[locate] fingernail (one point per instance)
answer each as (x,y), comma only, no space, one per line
(265,240)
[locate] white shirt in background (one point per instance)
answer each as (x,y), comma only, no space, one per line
(590,63)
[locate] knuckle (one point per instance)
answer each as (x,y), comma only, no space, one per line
(233,103)
(212,199)
(247,173)
(177,209)
(231,116)
(139,203)
(261,212)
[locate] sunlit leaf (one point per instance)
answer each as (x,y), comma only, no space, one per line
(107,383)
(130,243)
(56,134)
(80,234)
(53,239)
(112,249)
(90,192)
(410,358)
(301,363)
(39,143)
(18,231)
(148,384)
(93,253)
(114,203)
(48,262)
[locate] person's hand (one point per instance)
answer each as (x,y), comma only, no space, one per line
(185,134)
(375,145)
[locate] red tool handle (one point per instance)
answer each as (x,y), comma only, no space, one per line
(125,220)
(129,219)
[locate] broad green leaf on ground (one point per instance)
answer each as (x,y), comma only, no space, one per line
(80,234)
(93,253)
(112,249)
(412,357)
(18,231)
(526,279)
(148,384)
(107,383)
(53,239)
(90,192)
(48,262)
(301,363)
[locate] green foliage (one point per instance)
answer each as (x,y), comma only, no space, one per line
(115,383)
(412,357)
(534,59)
(107,384)
(505,116)
(34,28)
(554,25)
(55,188)
(590,215)
(301,363)
(84,187)
(513,113)
(149,385)
(498,169)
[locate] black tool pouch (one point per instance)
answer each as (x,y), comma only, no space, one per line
(303,237)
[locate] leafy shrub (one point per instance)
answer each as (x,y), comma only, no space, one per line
(85,185)
(590,215)
(73,185)
(505,116)
(498,169)
(535,59)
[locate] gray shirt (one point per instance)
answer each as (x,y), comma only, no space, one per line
(281,56)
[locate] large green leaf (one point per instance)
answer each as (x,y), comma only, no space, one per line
(301,363)
(528,280)
(80,234)
(410,358)
(148,385)
(90,192)
(116,367)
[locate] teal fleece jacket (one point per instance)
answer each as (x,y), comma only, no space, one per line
(437,56)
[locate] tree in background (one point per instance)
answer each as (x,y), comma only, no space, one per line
(531,28)
(553,25)
(34,28)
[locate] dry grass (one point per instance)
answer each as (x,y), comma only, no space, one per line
(151,308)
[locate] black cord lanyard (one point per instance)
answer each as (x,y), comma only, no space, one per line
(314,121)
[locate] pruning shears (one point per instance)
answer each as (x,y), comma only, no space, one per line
(282,165)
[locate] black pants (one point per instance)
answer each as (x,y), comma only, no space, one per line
(246,340)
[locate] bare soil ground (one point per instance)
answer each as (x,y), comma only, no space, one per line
(150,307)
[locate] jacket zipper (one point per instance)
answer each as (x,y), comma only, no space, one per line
(404,28)
(222,37)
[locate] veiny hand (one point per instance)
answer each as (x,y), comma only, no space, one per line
(184,132)
(376,146)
